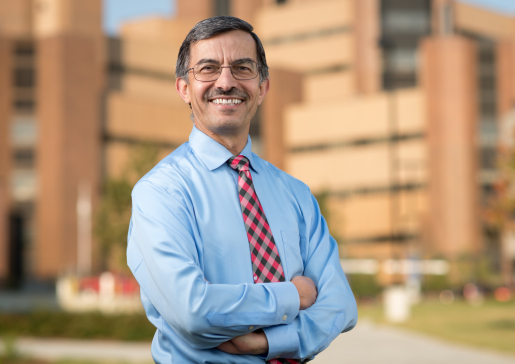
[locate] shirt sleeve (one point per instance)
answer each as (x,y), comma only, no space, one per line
(163,256)
(335,309)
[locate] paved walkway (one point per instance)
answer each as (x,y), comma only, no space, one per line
(366,344)
(55,349)
(370,344)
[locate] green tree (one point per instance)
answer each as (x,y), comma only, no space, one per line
(114,211)
(500,214)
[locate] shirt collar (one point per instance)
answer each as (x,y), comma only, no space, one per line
(214,154)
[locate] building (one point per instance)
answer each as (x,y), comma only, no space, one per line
(52,65)
(387,109)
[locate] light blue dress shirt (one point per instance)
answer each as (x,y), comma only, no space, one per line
(188,249)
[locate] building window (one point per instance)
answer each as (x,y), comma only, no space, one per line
(222,7)
(24,106)
(23,131)
(23,158)
(24,77)
(403,24)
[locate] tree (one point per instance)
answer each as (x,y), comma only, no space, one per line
(114,212)
(500,214)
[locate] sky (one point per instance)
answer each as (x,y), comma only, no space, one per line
(118,11)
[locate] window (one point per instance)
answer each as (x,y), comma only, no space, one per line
(413,21)
(24,77)
(222,7)
(403,24)
(23,131)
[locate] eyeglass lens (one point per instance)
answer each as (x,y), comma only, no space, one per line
(212,71)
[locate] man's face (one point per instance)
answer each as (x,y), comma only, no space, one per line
(213,102)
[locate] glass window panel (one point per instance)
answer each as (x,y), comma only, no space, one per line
(406,21)
(23,131)
(23,185)
(401,60)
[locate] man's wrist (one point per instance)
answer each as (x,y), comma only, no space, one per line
(288,301)
(283,341)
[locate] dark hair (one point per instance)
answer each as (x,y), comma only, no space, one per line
(208,28)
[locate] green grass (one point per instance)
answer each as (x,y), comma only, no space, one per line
(77,326)
(489,326)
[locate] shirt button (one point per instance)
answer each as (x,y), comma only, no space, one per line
(255,278)
(251,327)
(285,317)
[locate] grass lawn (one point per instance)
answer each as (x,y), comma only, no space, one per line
(489,326)
(77,326)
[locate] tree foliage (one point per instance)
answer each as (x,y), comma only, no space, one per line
(114,212)
(501,210)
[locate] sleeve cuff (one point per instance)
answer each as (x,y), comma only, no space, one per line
(283,341)
(288,301)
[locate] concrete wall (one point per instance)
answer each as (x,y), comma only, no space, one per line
(53,17)
(480,21)
(139,117)
(293,18)
(16,18)
(354,118)
(286,88)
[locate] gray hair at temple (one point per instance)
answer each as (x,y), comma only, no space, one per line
(209,28)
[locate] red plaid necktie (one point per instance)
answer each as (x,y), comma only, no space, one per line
(266,263)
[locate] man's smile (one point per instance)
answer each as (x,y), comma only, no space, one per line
(224,101)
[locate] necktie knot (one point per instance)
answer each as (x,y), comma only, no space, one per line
(239,163)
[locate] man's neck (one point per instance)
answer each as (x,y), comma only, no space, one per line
(233,142)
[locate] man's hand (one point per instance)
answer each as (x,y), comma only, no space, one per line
(253,343)
(307,291)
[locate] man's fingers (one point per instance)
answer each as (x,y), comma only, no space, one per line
(228,347)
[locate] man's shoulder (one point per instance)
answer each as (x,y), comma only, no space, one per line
(291,182)
(166,174)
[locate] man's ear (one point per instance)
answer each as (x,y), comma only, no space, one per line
(183,90)
(263,90)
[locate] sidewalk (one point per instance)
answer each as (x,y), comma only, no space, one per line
(370,344)
(366,344)
(105,351)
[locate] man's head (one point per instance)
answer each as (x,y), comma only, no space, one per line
(208,28)
(222,73)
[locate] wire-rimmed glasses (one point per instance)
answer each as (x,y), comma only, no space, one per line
(211,71)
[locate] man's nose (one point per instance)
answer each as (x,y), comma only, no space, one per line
(226,81)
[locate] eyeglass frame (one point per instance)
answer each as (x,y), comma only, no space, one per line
(221,69)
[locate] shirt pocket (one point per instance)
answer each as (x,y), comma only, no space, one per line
(292,259)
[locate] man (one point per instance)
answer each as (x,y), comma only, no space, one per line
(229,251)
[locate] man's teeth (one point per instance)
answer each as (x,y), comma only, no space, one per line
(226,101)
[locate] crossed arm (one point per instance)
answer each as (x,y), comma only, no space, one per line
(162,249)
(256,343)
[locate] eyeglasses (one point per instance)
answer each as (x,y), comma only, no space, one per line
(209,72)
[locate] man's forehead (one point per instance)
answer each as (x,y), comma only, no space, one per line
(229,46)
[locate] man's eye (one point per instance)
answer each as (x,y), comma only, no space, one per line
(208,68)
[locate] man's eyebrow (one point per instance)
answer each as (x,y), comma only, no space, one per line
(210,60)
(207,60)
(243,60)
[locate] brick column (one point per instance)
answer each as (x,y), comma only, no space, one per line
(5,150)
(367,26)
(448,75)
(68,146)
(505,55)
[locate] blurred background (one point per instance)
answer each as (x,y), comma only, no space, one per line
(399,115)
